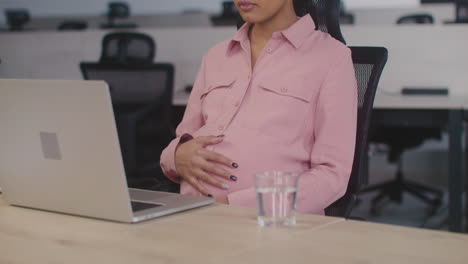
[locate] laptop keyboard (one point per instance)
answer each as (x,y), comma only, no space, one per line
(140,206)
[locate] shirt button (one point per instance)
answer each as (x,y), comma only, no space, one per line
(269,50)
(284,89)
(237,104)
(220,128)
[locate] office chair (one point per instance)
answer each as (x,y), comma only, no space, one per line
(17,18)
(400,139)
(369,63)
(141,93)
(118,10)
(326,15)
(128,48)
(72,25)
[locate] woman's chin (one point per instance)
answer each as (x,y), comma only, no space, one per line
(252,19)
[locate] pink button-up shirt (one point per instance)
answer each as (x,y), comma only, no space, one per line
(295,111)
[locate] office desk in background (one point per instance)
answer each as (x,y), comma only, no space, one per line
(428,111)
(217,234)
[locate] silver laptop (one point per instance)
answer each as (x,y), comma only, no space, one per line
(59,151)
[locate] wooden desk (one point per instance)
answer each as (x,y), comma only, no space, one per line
(361,242)
(195,236)
(217,234)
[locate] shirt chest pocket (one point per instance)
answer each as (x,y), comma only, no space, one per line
(215,95)
(282,108)
(288,92)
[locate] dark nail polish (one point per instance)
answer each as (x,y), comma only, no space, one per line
(235,165)
(234,178)
(220,136)
(210,195)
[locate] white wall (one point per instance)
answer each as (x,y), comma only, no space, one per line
(419,56)
(389,16)
(364,4)
(381,14)
(42,8)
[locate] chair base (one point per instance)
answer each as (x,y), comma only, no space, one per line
(394,190)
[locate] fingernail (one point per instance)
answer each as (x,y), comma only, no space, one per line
(210,195)
(235,165)
(234,178)
(225,186)
(220,136)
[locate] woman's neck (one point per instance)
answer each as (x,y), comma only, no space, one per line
(263,31)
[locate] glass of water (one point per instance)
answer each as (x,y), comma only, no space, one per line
(276,198)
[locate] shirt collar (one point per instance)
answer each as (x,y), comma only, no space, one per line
(296,34)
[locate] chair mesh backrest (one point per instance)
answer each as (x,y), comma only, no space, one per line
(134,85)
(416,19)
(127,48)
(368,63)
(363,73)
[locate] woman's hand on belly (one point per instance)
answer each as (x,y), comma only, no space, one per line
(195,164)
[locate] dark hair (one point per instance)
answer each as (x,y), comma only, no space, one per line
(302,7)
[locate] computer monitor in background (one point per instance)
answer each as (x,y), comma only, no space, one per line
(17,18)
(461,11)
(370,4)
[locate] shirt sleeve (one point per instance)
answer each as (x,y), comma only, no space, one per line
(191,122)
(334,136)
(332,155)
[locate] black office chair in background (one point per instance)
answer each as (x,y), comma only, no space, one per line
(128,48)
(17,19)
(399,139)
(326,14)
(118,10)
(141,93)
